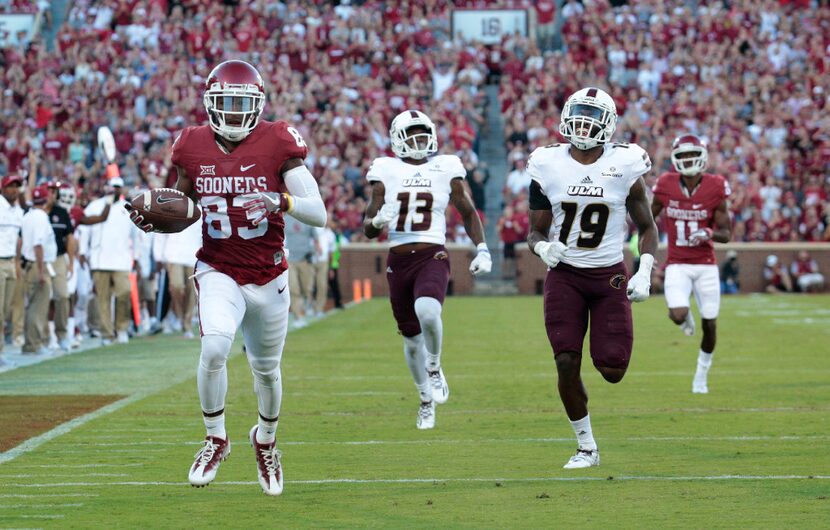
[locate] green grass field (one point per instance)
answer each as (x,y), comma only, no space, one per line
(754,452)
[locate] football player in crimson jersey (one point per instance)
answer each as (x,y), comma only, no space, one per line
(580,194)
(410,195)
(696,215)
(246,173)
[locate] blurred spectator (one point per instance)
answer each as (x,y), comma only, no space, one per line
(323,239)
(805,273)
(39,251)
(336,240)
(177,254)
(299,243)
(111,248)
(11,218)
(512,228)
(64,266)
(545,22)
(730,282)
(776,277)
(518,180)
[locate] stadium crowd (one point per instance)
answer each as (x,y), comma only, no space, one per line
(751,77)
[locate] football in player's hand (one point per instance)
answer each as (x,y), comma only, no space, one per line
(168,210)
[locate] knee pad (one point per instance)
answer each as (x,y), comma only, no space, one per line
(428,310)
(215,351)
(266,371)
(411,345)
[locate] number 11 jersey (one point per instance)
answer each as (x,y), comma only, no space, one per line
(686,211)
(588,201)
(423,193)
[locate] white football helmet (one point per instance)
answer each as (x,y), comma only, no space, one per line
(416,145)
(689,165)
(589,118)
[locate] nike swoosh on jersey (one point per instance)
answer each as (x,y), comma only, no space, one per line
(246,168)
(281,290)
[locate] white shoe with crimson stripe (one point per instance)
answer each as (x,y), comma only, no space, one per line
(269,468)
(204,468)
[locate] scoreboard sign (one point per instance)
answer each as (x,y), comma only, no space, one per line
(488,25)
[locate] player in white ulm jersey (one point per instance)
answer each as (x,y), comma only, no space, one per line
(410,194)
(582,191)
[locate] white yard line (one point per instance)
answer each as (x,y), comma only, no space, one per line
(72,466)
(627,478)
(759,438)
(41,495)
(62,505)
(30,475)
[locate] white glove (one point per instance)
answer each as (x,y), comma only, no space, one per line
(551,252)
(482,263)
(386,214)
(264,204)
(699,237)
(639,286)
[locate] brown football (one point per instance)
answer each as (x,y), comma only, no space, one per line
(168,210)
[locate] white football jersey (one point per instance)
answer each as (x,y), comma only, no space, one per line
(588,201)
(423,192)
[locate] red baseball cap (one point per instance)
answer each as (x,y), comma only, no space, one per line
(8,180)
(40,194)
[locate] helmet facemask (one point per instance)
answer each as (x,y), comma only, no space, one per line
(689,160)
(233,110)
(587,125)
(413,137)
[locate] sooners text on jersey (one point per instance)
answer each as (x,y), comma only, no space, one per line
(588,201)
(224,182)
(423,192)
(685,213)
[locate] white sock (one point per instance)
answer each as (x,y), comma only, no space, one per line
(704,361)
(266,431)
(584,435)
(428,310)
(415,353)
(216,426)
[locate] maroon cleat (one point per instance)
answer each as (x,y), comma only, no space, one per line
(269,469)
(208,458)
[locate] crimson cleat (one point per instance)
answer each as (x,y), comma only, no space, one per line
(208,458)
(269,469)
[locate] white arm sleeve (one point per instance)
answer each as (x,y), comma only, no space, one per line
(307,205)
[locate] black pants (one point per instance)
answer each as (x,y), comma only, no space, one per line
(334,288)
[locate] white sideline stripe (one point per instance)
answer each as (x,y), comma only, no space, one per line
(644,478)
(40,516)
(33,443)
(63,505)
(459,441)
(40,495)
(37,441)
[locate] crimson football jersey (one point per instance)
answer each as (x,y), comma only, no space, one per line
(684,214)
(223,183)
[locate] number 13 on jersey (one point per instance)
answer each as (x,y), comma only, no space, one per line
(421,218)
